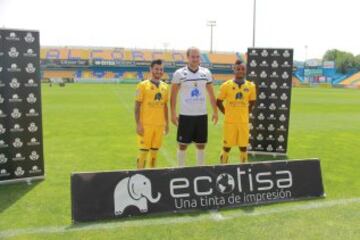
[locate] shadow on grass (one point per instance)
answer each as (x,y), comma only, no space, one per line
(12,192)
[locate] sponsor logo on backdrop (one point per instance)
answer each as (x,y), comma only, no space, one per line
(12,37)
(30,68)
(3,144)
(13,53)
(286,54)
(264,64)
(2,114)
(32,127)
(264,53)
(274,64)
(15,113)
(271,117)
(274,75)
(29,38)
(272,107)
(260,127)
(284,97)
(16,128)
(286,64)
(280,148)
(263,85)
(2,129)
(253,63)
(262,96)
(30,53)
(271,128)
(282,128)
(31,98)
(285,75)
(33,142)
(275,53)
(18,157)
(32,113)
(263,74)
(273,96)
(31,83)
(14,68)
(284,86)
(34,156)
(282,118)
(14,83)
(252,74)
(253,53)
(4,173)
(3,158)
(17,143)
(35,169)
(15,98)
(19,171)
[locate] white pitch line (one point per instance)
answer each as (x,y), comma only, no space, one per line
(320,204)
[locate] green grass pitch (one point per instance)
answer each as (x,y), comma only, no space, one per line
(91,128)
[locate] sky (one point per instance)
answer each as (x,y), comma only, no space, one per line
(309,26)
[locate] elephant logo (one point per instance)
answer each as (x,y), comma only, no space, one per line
(133,191)
(195,92)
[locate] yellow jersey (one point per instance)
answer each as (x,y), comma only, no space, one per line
(153,98)
(237,100)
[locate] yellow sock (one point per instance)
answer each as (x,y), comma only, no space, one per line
(243,156)
(141,160)
(153,155)
(224,157)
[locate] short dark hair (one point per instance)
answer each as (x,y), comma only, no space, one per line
(238,62)
(156,62)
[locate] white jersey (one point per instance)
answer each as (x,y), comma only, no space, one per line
(192,93)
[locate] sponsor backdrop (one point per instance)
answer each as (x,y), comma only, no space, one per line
(106,195)
(21,150)
(271,70)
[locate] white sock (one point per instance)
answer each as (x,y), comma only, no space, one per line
(181,157)
(200,154)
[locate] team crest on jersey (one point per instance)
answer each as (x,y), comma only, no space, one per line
(246,90)
(157,97)
(238,95)
(195,92)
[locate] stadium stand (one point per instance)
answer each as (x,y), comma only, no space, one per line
(123,65)
(352,80)
(81,64)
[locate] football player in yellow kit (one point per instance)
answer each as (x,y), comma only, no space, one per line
(239,96)
(151,114)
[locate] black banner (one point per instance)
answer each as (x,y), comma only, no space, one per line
(21,149)
(271,70)
(106,195)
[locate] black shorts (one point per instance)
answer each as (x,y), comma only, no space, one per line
(192,129)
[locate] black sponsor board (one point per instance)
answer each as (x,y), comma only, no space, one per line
(21,149)
(119,194)
(271,70)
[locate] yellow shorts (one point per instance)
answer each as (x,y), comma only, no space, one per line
(236,134)
(152,137)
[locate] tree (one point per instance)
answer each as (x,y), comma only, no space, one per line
(344,60)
